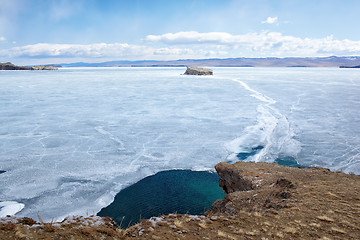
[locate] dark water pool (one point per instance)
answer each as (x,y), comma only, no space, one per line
(282,160)
(174,191)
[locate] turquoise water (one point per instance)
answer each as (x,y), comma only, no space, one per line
(245,155)
(288,161)
(174,191)
(282,160)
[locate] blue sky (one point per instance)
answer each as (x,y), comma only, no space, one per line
(47,31)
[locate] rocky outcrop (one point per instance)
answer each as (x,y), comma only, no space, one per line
(269,186)
(10,66)
(233,180)
(198,71)
(263,201)
(41,67)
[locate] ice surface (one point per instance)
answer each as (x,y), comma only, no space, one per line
(71,139)
(271,137)
(321,106)
(10,208)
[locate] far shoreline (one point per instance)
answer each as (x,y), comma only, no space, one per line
(291,62)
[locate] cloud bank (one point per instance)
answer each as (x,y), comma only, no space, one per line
(102,50)
(96,50)
(263,43)
(192,45)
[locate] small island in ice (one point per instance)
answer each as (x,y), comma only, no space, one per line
(10,66)
(198,71)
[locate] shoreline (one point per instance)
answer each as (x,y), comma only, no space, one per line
(262,200)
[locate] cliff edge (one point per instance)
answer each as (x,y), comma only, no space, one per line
(263,201)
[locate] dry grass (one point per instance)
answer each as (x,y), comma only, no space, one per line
(178,223)
(19,234)
(203,225)
(325,219)
(223,234)
(9,226)
(27,221)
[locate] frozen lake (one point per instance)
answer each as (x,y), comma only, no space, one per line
(71,139)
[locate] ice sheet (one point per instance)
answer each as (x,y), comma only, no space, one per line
(71,139)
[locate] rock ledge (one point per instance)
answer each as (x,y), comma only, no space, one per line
(262,201)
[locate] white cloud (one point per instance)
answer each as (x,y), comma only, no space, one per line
(103,50)
(191,38)
(2,39)
(263,43)
(96,50)
(173,51)
(271,20)
(192,45)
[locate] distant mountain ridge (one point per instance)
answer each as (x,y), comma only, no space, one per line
(332,61)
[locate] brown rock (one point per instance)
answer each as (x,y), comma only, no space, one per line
(10,66)
(198,71)
(232,180)
(41,67)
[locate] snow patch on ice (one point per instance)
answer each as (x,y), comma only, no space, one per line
(10,208)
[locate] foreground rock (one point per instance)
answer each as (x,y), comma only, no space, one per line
(263,201)
(198,71)
(10,66)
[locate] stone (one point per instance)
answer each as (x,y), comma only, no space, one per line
(231,179)
(198,71)
(41,67)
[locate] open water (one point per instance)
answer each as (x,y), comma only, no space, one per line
(71,139)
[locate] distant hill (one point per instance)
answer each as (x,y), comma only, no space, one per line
(332,61)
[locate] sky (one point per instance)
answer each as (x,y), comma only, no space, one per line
(66,31)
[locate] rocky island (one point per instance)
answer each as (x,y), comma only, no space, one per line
(262,201)
(10,66)
(357,66)
(198,71)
